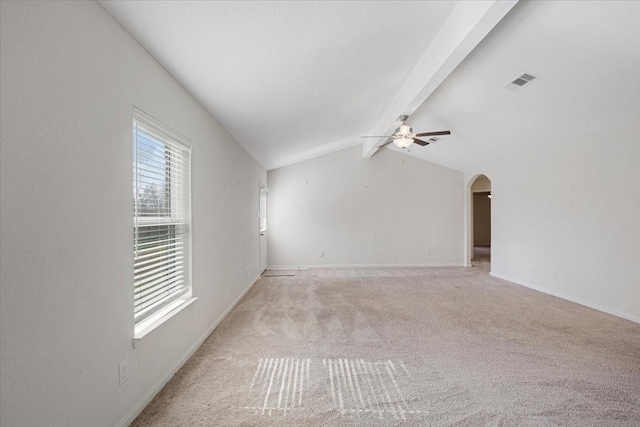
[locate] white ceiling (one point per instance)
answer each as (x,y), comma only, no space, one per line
(293,80)
(587,57)
(289,80)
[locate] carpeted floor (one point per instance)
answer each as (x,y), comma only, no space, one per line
(408,347)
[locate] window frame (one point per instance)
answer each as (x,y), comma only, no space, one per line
(173,214)
(263,193)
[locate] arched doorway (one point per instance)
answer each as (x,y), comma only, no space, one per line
(479,222)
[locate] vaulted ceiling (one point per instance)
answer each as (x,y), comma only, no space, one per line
(586,57)
(293,80)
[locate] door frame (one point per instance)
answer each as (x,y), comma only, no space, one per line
(468,223)
(262,236)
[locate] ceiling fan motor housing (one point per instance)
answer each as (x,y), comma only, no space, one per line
(405,130)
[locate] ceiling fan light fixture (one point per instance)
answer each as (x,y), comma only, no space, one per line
(403,142)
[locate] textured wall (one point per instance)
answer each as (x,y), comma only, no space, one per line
(70,78)
(391,209)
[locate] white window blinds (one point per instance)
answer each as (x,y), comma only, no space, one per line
(162,216)
(263,208)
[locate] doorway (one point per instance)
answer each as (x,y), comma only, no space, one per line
(479,236)
(263,192)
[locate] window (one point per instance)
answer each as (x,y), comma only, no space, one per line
(161,217)
(263,208)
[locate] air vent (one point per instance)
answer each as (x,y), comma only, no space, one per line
(433,139)
(520,82)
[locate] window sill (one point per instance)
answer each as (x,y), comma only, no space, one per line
(144,328)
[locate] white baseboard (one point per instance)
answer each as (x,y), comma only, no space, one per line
(155,389)
(580,301)
(294,267)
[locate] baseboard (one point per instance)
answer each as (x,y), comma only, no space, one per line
(155,389)
(580,301)
(294,267)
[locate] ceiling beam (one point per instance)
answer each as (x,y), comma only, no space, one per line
(466,26)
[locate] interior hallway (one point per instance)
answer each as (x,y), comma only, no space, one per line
(481,256)
(406,346)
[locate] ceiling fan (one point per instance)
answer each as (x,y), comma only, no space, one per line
(404,136)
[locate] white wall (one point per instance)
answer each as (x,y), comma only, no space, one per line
(390,209)
(70,78)
(566,220)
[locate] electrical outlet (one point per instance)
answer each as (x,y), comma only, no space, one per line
(322,254)
(427,252)
(124,371)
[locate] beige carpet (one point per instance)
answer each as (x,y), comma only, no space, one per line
(409,347)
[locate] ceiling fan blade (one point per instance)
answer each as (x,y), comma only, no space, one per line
(442,132)
(378,136)
(420,142)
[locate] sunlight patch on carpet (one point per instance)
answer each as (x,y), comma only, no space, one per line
(375,388)
(278,385)
(351,387)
